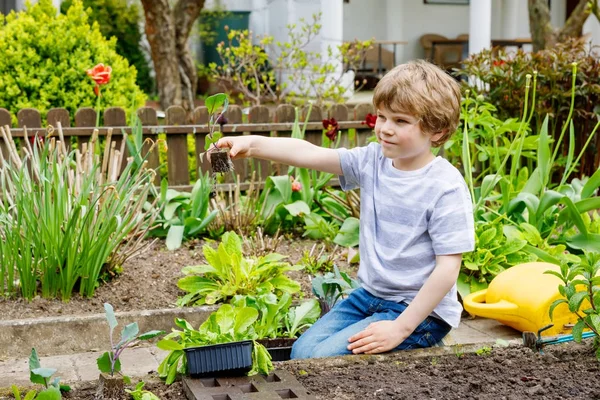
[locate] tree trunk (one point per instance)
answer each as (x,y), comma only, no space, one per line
(543,35)
(168,31)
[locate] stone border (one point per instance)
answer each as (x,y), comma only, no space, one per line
(77,334)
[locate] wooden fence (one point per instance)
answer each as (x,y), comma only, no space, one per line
(177,125)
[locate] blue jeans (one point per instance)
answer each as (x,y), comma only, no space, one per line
(329,335)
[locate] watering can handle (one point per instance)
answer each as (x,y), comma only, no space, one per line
(475,304)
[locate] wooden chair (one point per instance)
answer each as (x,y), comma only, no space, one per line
(445,56)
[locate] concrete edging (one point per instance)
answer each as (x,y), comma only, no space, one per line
(77,334)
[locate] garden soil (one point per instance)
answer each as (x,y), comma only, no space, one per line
(566,371)
(147,282)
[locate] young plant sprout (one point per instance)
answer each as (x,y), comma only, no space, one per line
(219,158)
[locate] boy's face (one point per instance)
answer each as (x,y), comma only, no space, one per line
(402,139)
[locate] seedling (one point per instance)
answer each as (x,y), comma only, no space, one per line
(42,376)
(139,394)
(219,158)
(484,351)
(109,362)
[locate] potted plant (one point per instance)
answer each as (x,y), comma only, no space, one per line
(224,343)
(279,324)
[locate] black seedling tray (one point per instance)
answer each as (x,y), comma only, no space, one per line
(280,349)
(233,359)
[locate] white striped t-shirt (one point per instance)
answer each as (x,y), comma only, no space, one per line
(406,219)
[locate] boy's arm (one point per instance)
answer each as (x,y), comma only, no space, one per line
(296,152)
(383,336)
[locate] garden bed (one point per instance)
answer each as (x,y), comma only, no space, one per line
(562,371)
(148,282)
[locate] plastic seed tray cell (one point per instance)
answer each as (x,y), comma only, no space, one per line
(278,385)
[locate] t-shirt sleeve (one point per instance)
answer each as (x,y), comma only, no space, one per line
(451,226)
(351,162)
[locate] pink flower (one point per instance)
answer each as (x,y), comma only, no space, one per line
(296,186)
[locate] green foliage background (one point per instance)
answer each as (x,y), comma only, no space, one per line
(117,18)
(45,57)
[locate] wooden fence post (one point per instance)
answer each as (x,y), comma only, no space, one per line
(200,117)
(84,118)
(115,116)
(177,153)
(56,116)
(5,122)
(283,113)
(148,117)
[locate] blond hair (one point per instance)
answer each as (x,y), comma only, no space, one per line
(424,91)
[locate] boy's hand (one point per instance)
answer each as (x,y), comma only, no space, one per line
(378,337)
(239,145)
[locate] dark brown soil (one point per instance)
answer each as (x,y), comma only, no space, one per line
(147,282)
(562,372)
(565,371)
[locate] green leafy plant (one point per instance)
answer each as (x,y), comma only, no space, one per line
(229,273)
(276,316)
(37,374)
(184,215)
(227,324)
(580,289)
(318,261)
(72,214)
(109,362)
(331,287)
(484,351)
(494,252)
(140,394)
(34,71)
(501,77)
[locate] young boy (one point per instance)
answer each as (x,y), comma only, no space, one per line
(415,217)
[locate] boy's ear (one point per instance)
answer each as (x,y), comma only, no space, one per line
(438,135)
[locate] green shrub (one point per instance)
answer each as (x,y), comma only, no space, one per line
(500,79)
(117,18)
(45,57)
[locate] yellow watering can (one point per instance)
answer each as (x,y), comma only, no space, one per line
(520,297)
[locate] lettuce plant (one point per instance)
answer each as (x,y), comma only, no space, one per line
(276,316)
(229,273)
(227,324)
(331,287)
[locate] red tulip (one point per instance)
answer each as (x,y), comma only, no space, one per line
(370,120)
(100,74)
(332,127)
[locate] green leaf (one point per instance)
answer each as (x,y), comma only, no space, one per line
(34,363)
(348,235)
(44,372)
(169,345)
(576,300)
(283,185)
(52,393)
(150,335)
(578,331)
(214,102)
(30,395)
(104,363)
(110,316)
(175,237)
(128,333)
(591,185)
(305,314)
(554,304)
(297,208)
